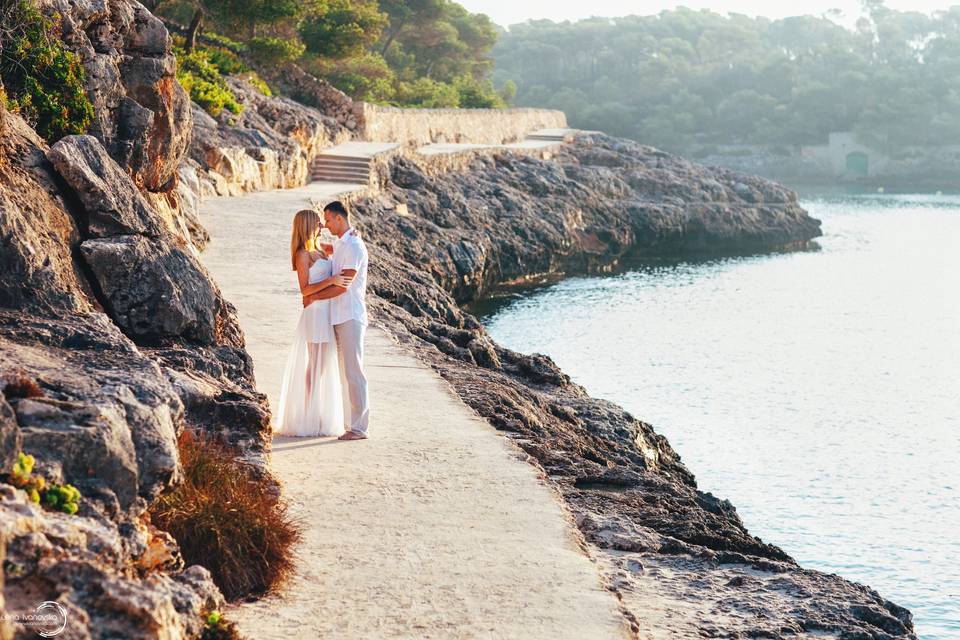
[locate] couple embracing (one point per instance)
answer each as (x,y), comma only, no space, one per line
(324,389)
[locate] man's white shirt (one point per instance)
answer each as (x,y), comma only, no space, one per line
(349,252)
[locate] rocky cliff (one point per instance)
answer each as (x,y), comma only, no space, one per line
(439,242)
(113,339)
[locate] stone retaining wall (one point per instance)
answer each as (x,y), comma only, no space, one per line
(481,126)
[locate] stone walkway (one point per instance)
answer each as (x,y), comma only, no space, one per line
(433,528)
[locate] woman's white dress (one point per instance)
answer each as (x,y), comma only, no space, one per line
(311,399)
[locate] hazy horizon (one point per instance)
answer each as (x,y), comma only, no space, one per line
(508,12)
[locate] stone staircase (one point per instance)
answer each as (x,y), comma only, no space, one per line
(349,163)
(346,169)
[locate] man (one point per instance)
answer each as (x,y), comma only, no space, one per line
(348,314)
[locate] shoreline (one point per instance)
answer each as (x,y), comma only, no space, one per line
(493,298)
(633,499)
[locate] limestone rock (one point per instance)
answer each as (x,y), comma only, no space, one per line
(37,268)
(9,434)
(79,561)
(600,200)
(157,292)
(108,416)
(142,114)
(268,145)
(112,203)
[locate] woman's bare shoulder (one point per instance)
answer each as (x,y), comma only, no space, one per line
(302,257)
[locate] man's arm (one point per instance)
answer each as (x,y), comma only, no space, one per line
(330,292)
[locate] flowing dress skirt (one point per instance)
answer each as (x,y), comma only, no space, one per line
(311,399)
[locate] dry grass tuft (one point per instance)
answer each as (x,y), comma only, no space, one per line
(226,520)
(17,384)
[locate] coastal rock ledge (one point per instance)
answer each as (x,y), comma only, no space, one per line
(681,561)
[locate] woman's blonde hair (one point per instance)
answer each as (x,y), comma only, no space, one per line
(305,226)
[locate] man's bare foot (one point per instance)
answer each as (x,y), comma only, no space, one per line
(352,435)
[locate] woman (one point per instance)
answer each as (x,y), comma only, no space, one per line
(311,399)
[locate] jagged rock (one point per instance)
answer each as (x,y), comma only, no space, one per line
(112,203)
(156,292)
(108,416)
(37,232)
(142,114)
(81,563)
(86,255)
(598,201)
(268,145)
(9,434)
(216,387)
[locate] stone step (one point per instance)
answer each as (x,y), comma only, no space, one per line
(341,167)
(323,176)
(343,170)
(342,159)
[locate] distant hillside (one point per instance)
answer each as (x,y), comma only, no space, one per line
(684,79)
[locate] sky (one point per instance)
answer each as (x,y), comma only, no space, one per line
(507,12)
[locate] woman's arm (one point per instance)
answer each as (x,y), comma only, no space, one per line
(303,277)
(333,281)
(333,290)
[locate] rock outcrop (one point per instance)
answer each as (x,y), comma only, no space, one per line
(315,92)
(599,202)
(142,114)
(113,339)
(269,145)
(437,243)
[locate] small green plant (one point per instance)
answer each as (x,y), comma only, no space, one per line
(218,628)
(204,82)
(44,80)
(258,83)
(62,497)
(59,497)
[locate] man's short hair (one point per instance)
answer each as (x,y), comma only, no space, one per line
(338,208)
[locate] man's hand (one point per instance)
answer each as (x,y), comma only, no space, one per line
(343,280)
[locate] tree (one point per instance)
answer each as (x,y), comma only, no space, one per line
(343,28)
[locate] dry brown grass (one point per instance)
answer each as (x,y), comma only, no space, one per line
(17,384)
(226,520)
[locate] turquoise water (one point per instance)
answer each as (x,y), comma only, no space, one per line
(819,391)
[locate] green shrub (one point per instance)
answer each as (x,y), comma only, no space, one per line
(477,94)
(227,520)
(222,41)
(44,81)
(427,93)
(368,78)
(271,50)
(225,60)
(204,82)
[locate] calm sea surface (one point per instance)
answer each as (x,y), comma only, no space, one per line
(818,391)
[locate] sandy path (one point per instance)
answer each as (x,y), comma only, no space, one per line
(433,528)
